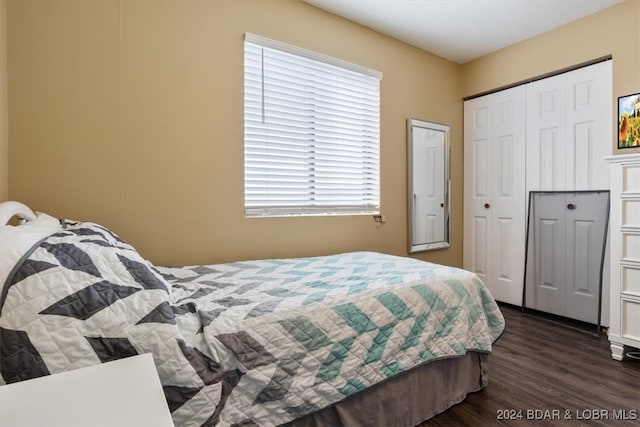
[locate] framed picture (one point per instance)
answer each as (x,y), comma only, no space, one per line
(629,121)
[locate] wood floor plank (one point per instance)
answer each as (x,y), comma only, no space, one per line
(542,368)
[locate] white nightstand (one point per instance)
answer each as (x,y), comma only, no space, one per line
(122,392)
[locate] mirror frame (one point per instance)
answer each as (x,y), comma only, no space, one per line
(445,129)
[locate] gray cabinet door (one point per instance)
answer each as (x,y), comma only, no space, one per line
(567,232)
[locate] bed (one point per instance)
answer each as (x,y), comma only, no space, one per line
(358,338)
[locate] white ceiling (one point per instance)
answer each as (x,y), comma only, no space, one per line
(462,30)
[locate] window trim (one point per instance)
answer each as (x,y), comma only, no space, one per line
(285,47)
(310,210)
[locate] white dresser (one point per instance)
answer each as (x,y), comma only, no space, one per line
(625,253)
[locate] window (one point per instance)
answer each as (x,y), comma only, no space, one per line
(311,133)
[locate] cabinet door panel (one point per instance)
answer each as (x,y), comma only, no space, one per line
(481,170)
(630,179)
(583,148)
(480,238)
(630,214)
(630,247)
(630,280)
(547,171)
(630,313)
(505,261)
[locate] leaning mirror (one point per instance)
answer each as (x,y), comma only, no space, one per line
(428,185)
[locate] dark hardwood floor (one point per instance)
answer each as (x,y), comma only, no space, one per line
(542,373)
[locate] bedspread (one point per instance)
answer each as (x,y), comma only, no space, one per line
(239,344)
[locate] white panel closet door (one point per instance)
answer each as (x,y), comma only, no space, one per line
(548,135)
(494,225)
(569,122)
(569,130)
(477,185)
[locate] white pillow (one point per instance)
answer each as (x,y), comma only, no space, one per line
(15,241)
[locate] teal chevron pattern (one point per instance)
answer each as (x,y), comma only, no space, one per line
(330,369)
(395,305)
(379,343)
(413,337)
(355,318)
(353,386)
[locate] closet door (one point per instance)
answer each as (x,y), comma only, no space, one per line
(566,123)
(586,224)
(477,186)
(569,122)
(494,225)
(569,130)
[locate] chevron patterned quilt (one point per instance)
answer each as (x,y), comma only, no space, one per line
(240,344)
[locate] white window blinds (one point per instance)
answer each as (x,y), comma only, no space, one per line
(311,132)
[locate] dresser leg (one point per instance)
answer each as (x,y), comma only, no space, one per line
(617,351)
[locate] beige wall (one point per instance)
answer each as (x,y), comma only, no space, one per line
(613,32)
(4,136)
(129,113)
